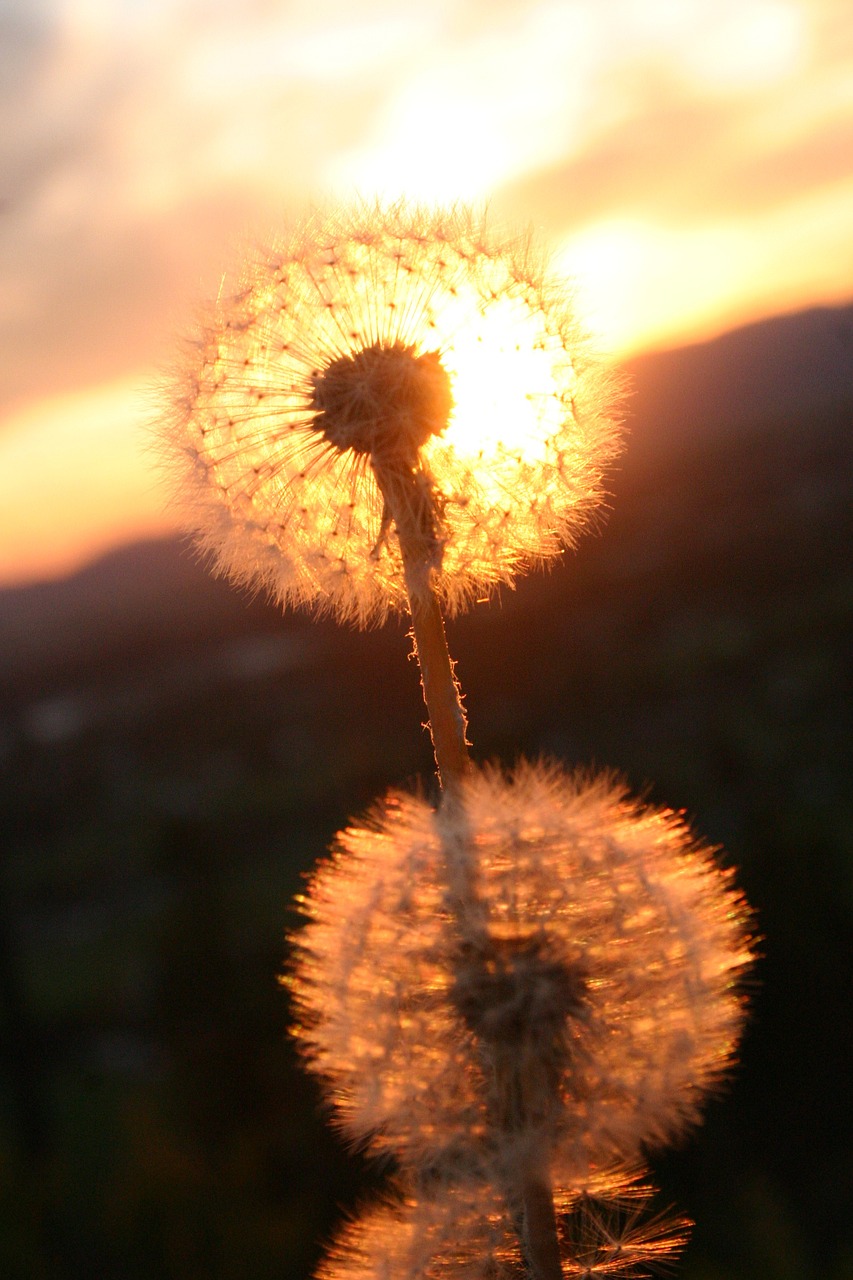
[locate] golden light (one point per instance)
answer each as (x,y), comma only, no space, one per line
(70,454)
(501,363)
(644,284)
(459,122)
(748,45)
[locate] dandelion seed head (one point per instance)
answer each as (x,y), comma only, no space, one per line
(382,333)
(513,986)
(457,1234)
(603,1238)
(463,1232)
(575,1014)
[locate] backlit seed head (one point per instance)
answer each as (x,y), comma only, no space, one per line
(463,1232)
(459,1233)
(507,987)
(546,975)
(389,340)
(603,1238)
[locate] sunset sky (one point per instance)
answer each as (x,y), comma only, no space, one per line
(690,162)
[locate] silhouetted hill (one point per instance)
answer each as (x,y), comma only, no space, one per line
(781,371)
(773,371)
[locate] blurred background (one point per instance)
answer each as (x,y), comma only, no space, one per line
(174,756)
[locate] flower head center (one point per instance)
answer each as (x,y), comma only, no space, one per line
(385,401)
(515,991)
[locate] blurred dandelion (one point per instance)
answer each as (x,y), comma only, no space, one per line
(463,1232)
(549,983)
(459,1232)
(390,367)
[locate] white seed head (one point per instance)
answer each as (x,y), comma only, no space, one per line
(398,338)
(571,1013)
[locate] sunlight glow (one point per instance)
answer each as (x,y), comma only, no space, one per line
(77,453)
(502,367)
(749,44)
(500,103)
(644,285)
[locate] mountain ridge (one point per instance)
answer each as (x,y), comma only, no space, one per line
(773,374)
(773,369)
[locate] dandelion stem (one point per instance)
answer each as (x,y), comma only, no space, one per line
(529,1194)
(410,502)
(447,721)
(541,1244)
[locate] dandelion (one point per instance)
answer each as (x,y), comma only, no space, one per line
(387,376)
(464,1233)
(458,1233)
(524,987)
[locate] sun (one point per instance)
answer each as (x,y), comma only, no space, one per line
(510,379)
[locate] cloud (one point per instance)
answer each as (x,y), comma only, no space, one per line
(682,160)
(138,141)
(132,156)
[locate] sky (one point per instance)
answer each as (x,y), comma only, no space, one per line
(688,162)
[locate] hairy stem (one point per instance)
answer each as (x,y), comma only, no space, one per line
(411,504)
(447,721)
